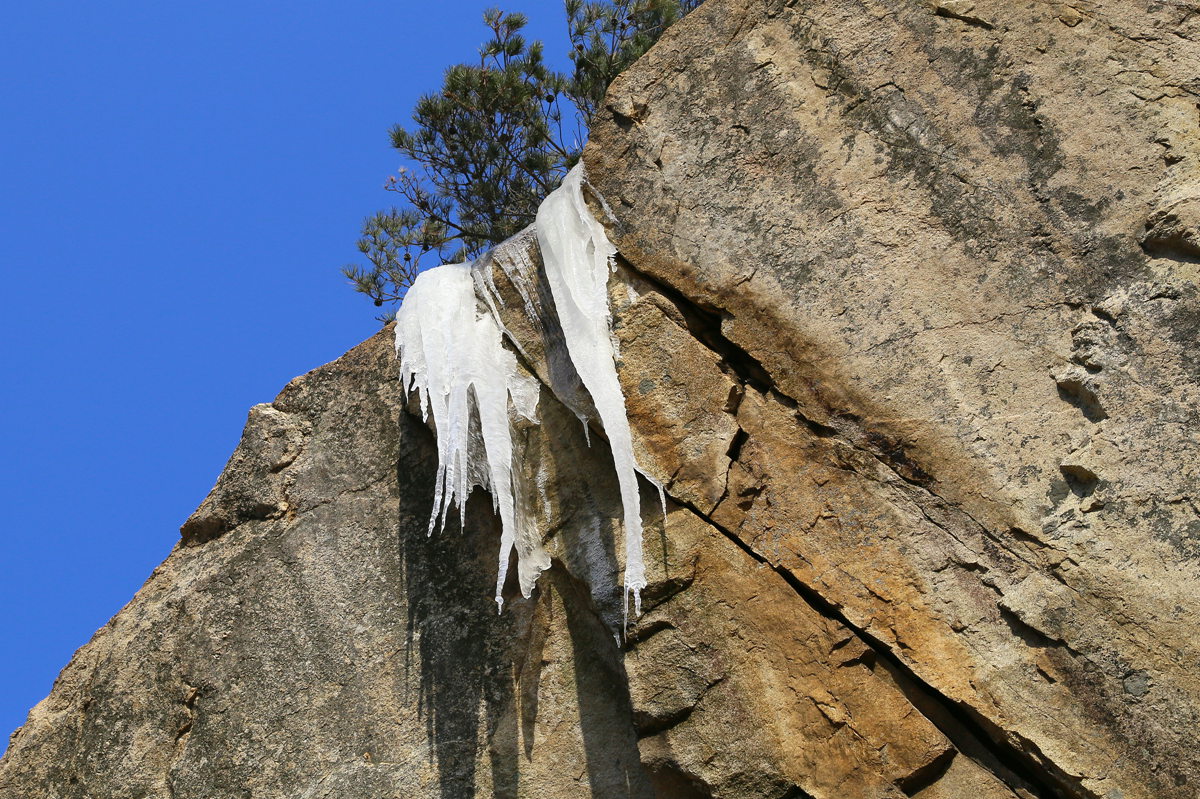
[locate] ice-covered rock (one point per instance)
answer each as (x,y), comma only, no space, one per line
(450,343)
(452,355)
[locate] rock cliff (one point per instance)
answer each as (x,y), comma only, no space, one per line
(907,312)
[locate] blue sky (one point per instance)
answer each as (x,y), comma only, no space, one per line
(181,183)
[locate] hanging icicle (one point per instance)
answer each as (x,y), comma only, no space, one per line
(451,353)
(578,258)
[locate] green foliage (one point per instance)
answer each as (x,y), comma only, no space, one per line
(491,144)
(606,37)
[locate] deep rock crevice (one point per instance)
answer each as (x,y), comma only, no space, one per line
(1017,768)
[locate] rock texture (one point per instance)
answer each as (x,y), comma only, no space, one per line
(950,246)
(907,313)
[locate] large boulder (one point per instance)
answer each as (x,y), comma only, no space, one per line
(952,249)
(906,311)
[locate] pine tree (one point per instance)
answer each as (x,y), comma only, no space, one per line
(493,142)
(606,37)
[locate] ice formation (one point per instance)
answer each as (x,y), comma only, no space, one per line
(578,257)
(450,349)
(451,354)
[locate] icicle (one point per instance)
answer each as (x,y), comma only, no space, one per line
(452,355)
(449,339)
(578,258)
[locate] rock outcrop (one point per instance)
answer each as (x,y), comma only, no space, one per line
(907,310)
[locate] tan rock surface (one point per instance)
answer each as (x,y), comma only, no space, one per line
(906,314)
(958,243)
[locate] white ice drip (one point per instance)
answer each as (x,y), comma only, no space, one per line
(449,344)
(578,258)
(451,353)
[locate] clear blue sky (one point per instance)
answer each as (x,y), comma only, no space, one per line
(181,183)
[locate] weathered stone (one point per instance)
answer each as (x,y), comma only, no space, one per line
(906,314)
(252,486)
(961,254)
(336,650)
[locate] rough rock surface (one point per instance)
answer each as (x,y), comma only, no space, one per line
(907,313)
(952,247)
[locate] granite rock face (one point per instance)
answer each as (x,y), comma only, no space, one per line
(952,248)
(907,314)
